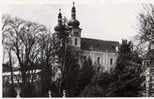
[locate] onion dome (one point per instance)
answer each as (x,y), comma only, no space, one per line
(60,26)
(73,22)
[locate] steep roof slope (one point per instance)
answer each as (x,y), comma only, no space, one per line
(98,45)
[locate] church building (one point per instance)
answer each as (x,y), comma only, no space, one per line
(102,53)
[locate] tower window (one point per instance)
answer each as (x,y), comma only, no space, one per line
(98,60)
(111,61)
(76,34)
(76,41)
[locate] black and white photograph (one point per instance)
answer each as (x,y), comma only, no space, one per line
(77,48)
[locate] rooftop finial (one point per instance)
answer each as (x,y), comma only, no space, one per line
(73,3)
(59,10)
(73,11)
(59,17)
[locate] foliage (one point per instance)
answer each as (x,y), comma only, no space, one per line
(146,30)
(85,75)
(146,21)
(92,91)
(127,72)
(12,92)
(46,60)
(26,91)
(71,72)
(98,86)
(60,40)
(124,81)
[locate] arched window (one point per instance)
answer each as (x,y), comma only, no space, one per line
(76,41)
(98,60)
(111,61)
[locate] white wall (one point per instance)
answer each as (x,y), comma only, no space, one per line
(78,41)
(104,58)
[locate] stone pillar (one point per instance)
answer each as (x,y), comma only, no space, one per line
(64,93)
(49,93)
(18,91)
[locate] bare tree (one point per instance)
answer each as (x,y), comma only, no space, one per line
(146,21)
(23,39)
(46,60)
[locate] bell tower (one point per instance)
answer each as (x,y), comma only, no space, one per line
(75,30)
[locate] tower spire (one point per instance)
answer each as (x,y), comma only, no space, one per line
(73,3)
(59,17)
(73,11)
(73,22)
(58,27)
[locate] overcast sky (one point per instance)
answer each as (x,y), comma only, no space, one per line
(99,19)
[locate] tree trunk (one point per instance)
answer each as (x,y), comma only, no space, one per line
(10,64)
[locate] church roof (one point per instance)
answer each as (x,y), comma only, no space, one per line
(98,45)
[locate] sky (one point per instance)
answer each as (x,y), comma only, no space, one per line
(99,19)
